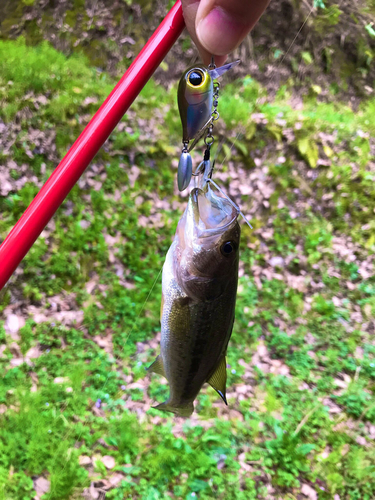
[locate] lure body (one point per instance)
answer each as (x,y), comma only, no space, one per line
(196,106)
(199,285)
(195,95)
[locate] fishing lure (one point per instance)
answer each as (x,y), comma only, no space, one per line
(198,96)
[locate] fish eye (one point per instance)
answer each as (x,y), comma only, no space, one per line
(227,248)
(195,78)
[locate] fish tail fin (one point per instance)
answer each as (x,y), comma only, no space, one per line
(182,410)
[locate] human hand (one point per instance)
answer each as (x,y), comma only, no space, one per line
(218,26)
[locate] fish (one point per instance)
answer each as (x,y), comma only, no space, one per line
(199,287)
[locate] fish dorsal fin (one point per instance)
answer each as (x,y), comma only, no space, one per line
(218,379)
(157,367)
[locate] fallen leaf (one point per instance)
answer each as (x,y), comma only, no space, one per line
(13,324)
(361,441)
(309,492)
(276,261)
(94,493)
(60,380)
(345,449)
(85,460)
(108,461)
(116,479)
(33,353)
(41,486)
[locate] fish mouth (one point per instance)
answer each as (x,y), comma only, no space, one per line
(212,214)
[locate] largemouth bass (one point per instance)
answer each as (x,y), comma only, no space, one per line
(199,287)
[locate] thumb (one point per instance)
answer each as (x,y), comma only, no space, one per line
(221,25)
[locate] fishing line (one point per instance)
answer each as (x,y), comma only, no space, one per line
(294,39)
(141,311)
(230,149)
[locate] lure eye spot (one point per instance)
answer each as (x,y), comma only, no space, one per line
(227,248)
(195,78)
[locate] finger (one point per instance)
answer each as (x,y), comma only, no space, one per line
(190,8)
(221,25)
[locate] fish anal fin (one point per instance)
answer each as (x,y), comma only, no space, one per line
(157,367)
(218,379)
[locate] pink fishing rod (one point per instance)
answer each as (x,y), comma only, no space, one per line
(55,190)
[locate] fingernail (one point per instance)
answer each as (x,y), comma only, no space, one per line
(218,33)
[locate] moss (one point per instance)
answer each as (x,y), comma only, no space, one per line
(11,16)
(71,18)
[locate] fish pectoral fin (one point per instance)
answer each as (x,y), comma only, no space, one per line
(218,379)
(157,367)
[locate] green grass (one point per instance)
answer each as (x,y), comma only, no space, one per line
(301,415)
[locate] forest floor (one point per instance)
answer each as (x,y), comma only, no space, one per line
(79,321)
